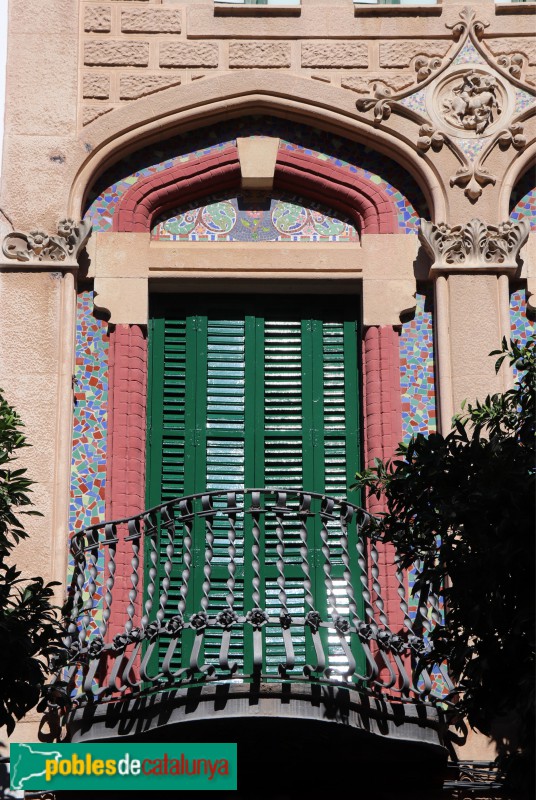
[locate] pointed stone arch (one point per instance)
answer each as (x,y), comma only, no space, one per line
(179,109)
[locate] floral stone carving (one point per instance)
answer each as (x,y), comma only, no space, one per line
(474,245)
(473,102)
(40,248)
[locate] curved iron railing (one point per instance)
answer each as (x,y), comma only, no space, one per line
(245,585)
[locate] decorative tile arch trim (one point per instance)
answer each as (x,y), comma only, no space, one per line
(248,93)
(185,182)
(364,202)
(370,206)
(355,159)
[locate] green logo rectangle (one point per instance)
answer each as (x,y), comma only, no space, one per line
(91,767)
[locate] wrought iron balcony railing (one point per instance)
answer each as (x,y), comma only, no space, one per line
(243,586)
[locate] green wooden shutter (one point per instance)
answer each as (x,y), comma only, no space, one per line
(268,397)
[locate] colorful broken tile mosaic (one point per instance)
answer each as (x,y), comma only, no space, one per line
(417,382)
(239,219)
(439,685)
(525,206)
(472,147)
(417,377)
(88,463)
(521,324)
(524,100)
(468,55)
(355,158)
(416,101)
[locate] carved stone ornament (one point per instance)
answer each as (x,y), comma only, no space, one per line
(474,245)
(43,249)
(425,66)
(430,138)
(512,136)
(379,102)
(472,103)
(472,178)
(513,63)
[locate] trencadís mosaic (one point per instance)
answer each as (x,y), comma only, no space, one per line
(525,208)
(417,378)
(88,463)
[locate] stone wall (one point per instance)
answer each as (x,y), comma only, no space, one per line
(129,51)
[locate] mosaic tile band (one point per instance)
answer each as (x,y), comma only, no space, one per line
(522,327)
(417,377)
(416,101)
(525,207)
(417,383)
(347,155)
(468,55)
(88,463)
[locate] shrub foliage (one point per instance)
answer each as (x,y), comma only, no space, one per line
(30,633)
(463,505)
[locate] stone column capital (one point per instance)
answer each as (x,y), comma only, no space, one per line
(43,250)
(474,246)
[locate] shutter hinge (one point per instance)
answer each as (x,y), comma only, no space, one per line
(314,437)
(197,437)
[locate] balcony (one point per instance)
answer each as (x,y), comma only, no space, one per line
(259,616)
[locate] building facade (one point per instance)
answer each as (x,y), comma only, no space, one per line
(252,245)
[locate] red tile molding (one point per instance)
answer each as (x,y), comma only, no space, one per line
(125,467)
(369,207)
(382,407)
(183,183)
(382,399)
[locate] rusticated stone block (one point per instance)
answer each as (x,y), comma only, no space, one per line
(181,54)
(337,55)
(133,86)
(98,19)
(151,20)
(91,113)
(401,54)
(116,54)
(259,54)
(507,47)
(96,86)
